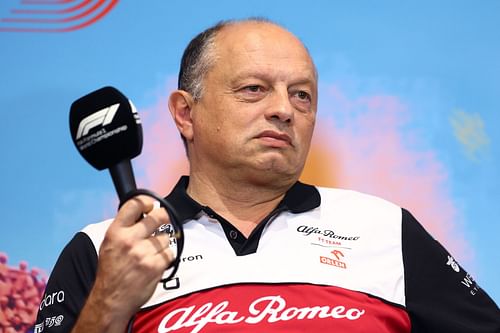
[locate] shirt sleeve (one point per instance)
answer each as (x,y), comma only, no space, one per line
(440,295)
(68,286)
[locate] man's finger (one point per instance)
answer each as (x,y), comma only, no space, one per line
(159,243)
(133,209)
(150,223)
(165,257)
(157,252)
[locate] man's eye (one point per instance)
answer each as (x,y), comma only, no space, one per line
(303,96)
(253,88)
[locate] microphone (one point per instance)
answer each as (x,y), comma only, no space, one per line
(107,131)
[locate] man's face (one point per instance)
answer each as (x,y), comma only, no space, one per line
(258,107)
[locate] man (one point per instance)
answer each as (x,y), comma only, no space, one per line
(263,252)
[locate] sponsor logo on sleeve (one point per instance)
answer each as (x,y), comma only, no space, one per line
(467,281)
(453,264)
(38,328)
(54,321)
(51,299)
(48,322)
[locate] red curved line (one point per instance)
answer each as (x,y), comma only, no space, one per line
(64,20)
(60,11)
(68,29)
(93,20)
(45,2)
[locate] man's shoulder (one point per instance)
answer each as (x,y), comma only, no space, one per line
(355,202)
(348,197)
(96,231)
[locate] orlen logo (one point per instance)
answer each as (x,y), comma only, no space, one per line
(102,117)
(334,262)
(54,15)
(50,299)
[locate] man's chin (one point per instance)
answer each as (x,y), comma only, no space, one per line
(277,170)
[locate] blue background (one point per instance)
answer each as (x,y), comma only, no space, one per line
(441,59)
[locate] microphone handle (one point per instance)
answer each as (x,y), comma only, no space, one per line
(123,178)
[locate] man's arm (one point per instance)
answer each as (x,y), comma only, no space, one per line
(68,286)
(440,295)
(131,262)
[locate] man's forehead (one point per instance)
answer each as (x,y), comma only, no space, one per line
(306,76)
(254,32)
(246,39)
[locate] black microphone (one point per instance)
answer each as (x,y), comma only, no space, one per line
(107,131)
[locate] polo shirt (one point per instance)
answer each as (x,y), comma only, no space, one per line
(323,259)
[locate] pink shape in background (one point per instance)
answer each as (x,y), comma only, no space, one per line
(369,147)
(375,151)
(162,160)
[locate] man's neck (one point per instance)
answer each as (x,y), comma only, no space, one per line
(243,203)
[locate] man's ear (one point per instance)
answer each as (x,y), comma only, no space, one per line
(180,104)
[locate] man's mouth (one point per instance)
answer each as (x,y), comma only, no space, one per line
(275,138)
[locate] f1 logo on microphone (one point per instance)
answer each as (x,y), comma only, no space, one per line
(102,117)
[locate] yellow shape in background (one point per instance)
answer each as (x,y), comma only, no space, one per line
(320,169)
(469,131)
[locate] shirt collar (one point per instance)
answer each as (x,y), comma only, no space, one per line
(299,198)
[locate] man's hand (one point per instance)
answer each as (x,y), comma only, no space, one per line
(131,262)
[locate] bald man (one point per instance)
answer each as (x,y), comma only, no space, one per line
(263,252)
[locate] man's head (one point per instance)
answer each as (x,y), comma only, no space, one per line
(247,100)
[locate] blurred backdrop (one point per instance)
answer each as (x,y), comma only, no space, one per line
(409,110)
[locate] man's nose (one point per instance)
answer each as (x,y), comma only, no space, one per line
(280,107)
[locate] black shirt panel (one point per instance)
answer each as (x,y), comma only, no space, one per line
(68,286)
(440,295)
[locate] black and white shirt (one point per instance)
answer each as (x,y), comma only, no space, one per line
(325,260)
